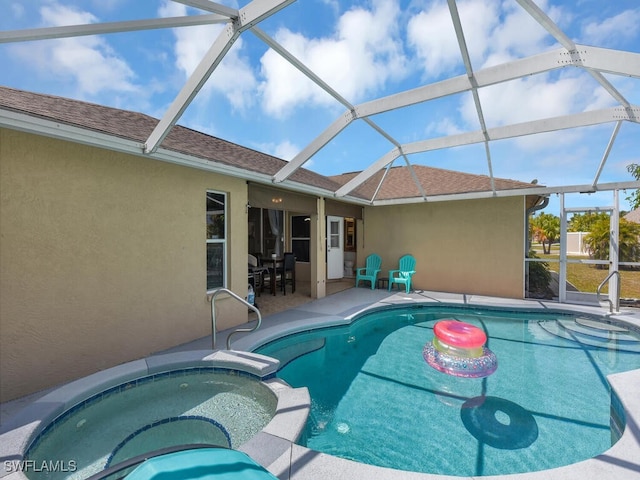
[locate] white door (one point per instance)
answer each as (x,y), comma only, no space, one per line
(335,254)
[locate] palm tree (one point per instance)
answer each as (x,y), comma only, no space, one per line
(597,241)
(546,230)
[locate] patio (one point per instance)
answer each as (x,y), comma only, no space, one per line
(288,460)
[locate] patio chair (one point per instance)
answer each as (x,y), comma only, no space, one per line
(370,271)
(288,272)
(406,269)
(257,274)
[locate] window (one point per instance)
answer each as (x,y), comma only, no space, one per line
(349,234)
(216,240)
(266,232)
(301,237)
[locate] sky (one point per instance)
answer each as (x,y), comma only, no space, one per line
(364,50)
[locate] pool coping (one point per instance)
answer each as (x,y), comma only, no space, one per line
(620,462)
(19,432)
(275,448)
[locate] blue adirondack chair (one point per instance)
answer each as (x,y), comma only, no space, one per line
(406,269)
(370,271)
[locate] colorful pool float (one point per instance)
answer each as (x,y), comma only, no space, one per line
(458,349)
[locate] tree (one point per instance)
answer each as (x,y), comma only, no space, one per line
(634,198)
(546,230)
(585,222)
(597,241)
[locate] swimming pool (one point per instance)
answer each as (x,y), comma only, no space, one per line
(376,401)
(229,399)
(197,405)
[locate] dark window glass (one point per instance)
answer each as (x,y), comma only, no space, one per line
(216,240)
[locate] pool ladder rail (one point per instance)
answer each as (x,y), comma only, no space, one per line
(239,330)
(598,291)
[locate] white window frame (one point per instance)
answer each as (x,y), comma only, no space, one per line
(222,241)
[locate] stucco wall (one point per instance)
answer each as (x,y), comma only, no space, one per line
(103,259)
(471,247)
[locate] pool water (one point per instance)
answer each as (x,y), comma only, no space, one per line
(376,401)
(223,408)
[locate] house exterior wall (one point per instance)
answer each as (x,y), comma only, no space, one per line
(474,247)
(103,259)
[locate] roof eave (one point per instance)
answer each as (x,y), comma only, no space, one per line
(516,192)
(62,131)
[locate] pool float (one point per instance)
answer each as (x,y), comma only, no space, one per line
(458,349)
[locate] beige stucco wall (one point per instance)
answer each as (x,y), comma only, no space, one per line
(103,259)
(474,247)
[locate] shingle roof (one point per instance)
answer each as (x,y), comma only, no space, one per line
(633,216)
(137,127)
(399,183)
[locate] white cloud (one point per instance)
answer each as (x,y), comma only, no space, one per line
(18,10)
(494,32)
(444,126)
(613,30)
(233,77)
(88,61)
(534,98)
(525,99)
(59,15)
(358,59)
(432,35)
(284,150)
(519,35)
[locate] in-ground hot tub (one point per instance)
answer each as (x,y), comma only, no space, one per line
(221,398)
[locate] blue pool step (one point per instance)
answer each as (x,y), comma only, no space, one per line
(593,333)
(201,464)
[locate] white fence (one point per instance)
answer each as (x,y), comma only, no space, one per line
(575,243)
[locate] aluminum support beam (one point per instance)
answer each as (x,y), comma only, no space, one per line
(546,22)
(540,191)
(584,119)
(549,25)
(562,275)
(384,175)
(607,151)
(609,87)
(489,76)
(312,148)
(457,25)
(368,172)
(108,27)
(209,6)
(610,61)
(284,53)
(248,16)
(300,159)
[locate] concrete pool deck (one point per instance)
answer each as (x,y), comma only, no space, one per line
(275,449)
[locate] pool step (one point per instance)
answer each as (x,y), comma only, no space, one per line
(593,333)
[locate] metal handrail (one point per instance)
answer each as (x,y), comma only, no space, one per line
(213,317)
(615,272)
